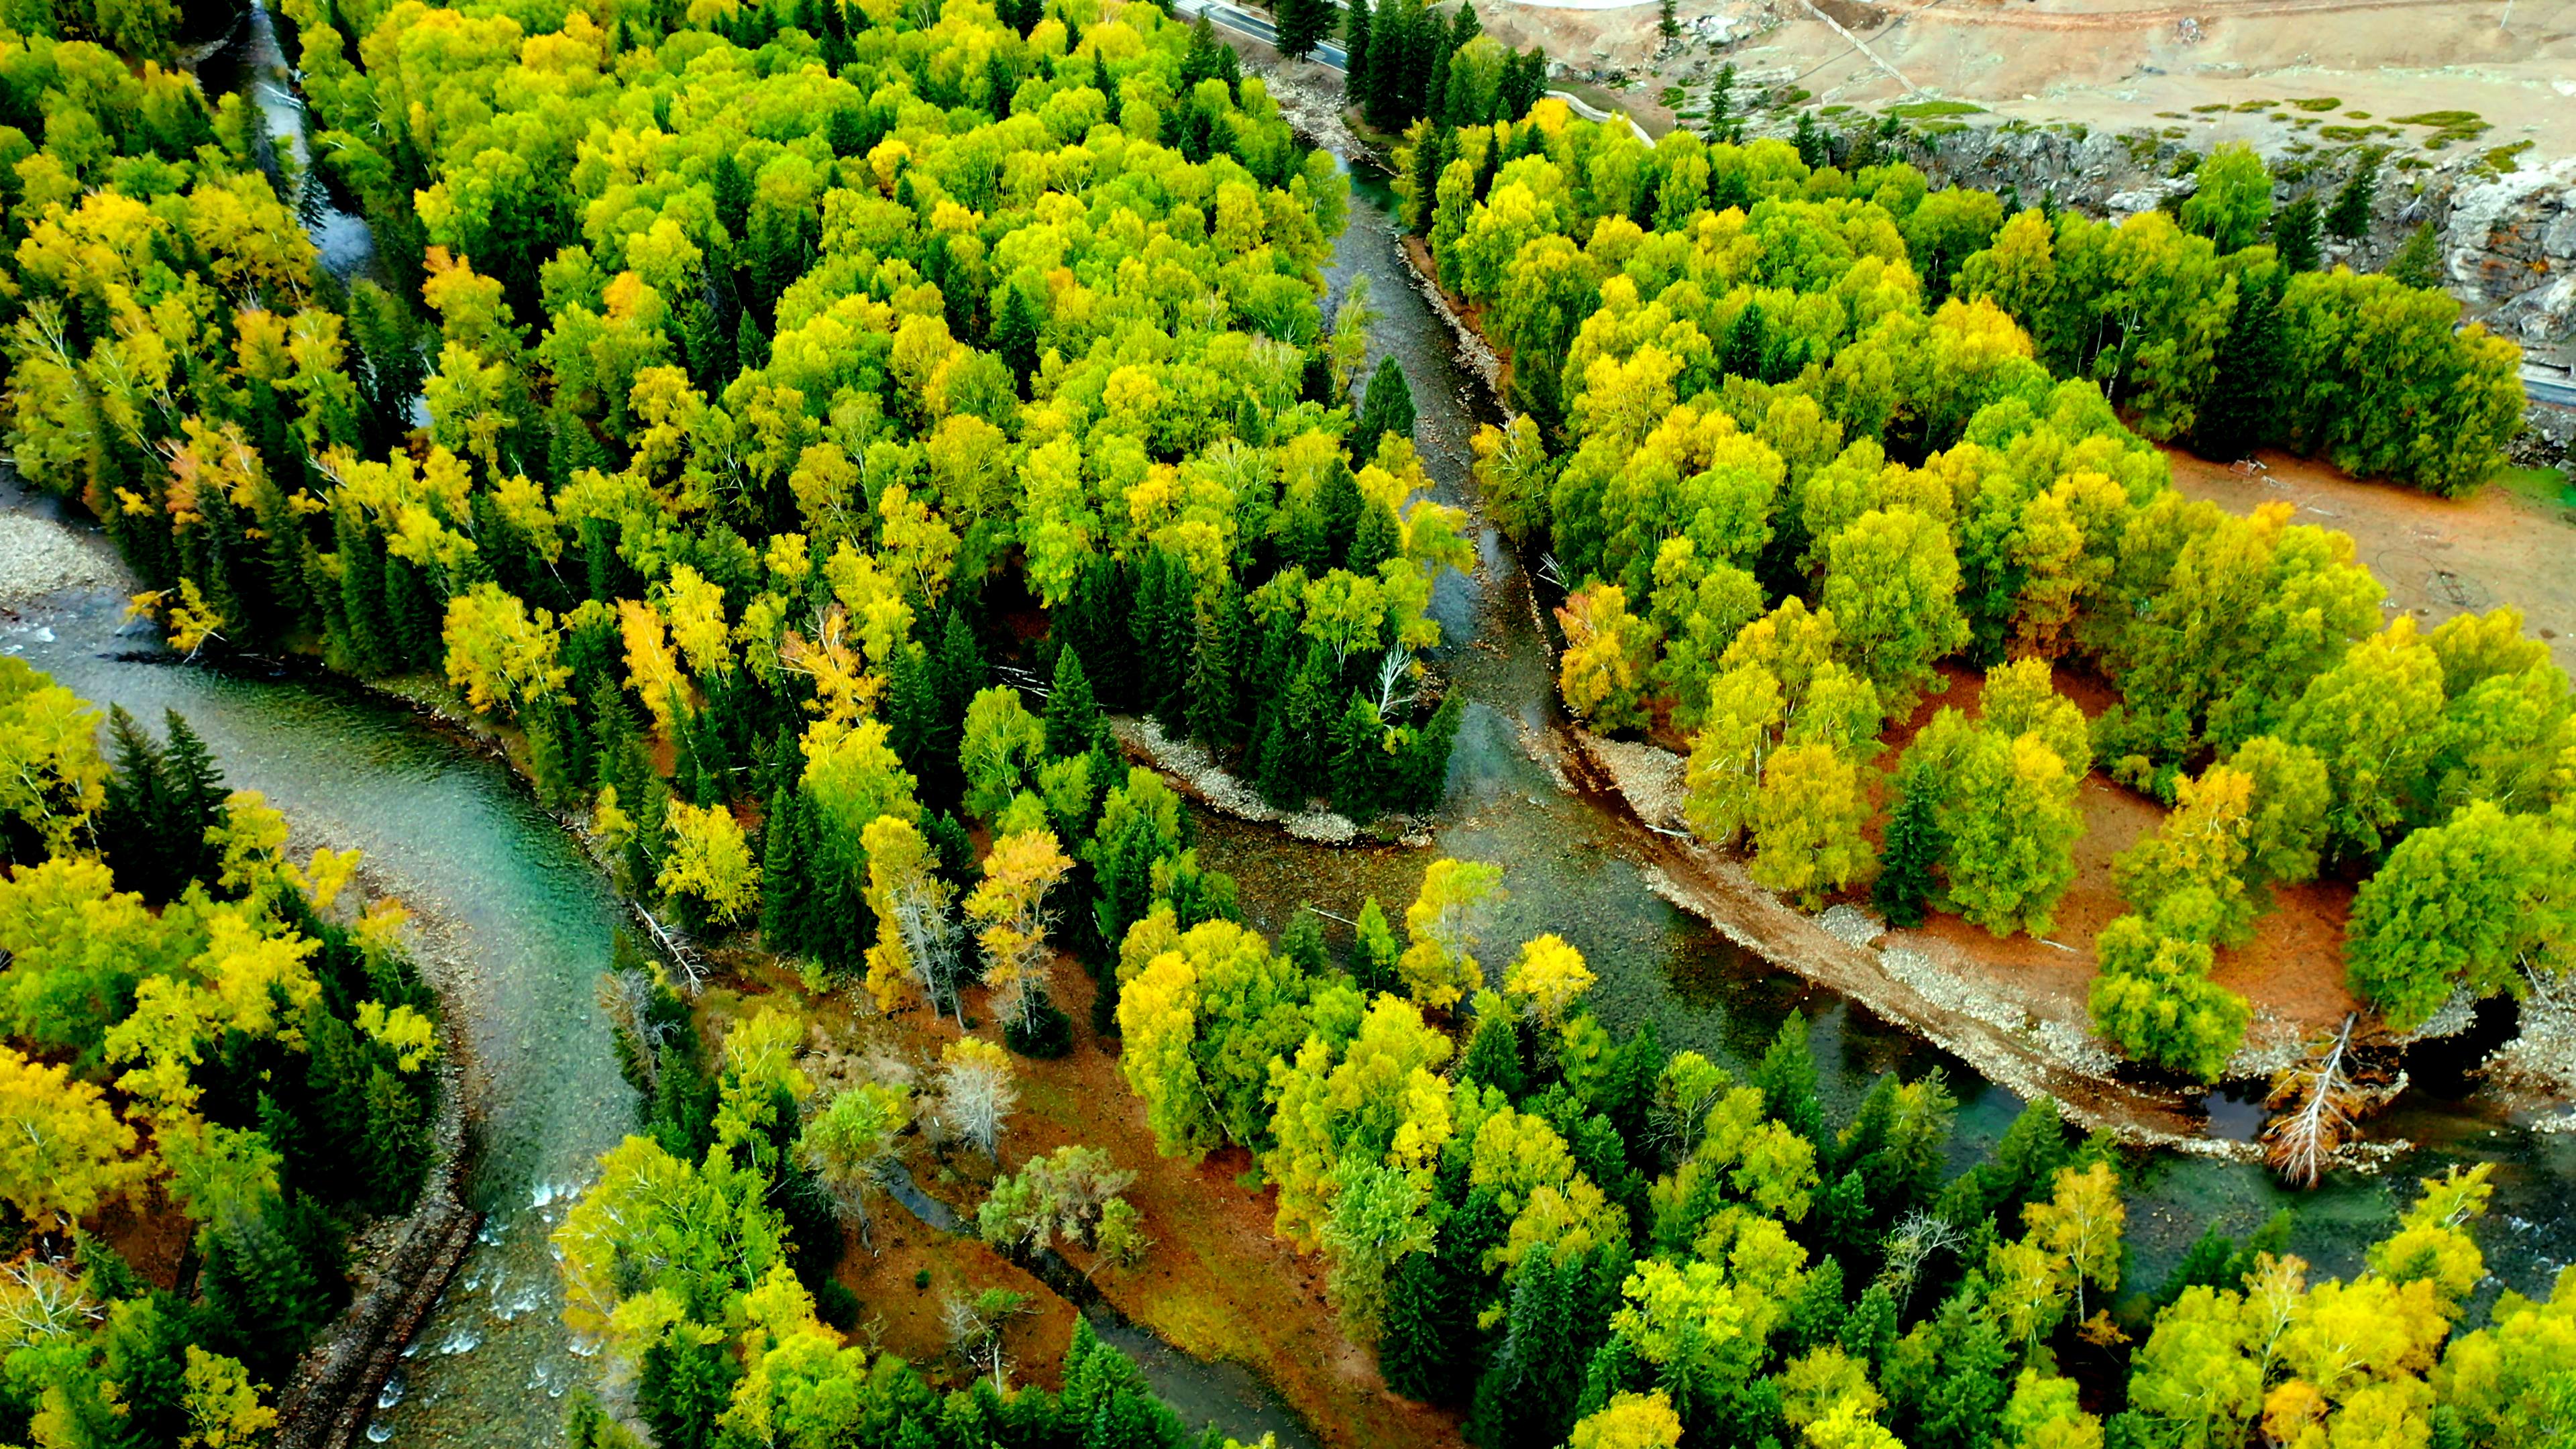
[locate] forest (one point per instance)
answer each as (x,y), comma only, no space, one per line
(216,1065)
(822,440)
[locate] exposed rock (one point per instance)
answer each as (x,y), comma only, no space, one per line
(2510,246)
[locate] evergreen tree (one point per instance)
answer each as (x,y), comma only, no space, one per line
(370,645)
(1494,1054)
(1016,326)
(2241,410)
(786,886)
(1422,769)
(1292,746)
(1215,702)
(1200,62)
(2296,235)
(1303,24)
(1356,72)
(1667,20)
(1746,338)
(1075,724)
(1388,408)
(1359,759)
(1421,1330)
(1339,502)
(397,1143)
(1164,629)
(2349,218)
(1527,1395)
(1787,1080)
(1913,845)
(1379,537)
(2419,262)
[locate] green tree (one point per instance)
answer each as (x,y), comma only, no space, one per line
(2480,902)
(1387,408)
(2234,199)
(1892,582)
(1913,846)
(2418,262)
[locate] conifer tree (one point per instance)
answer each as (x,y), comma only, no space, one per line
(1303,24)
(1904,888)
(1164,629)
(2296,235)
(1667,21)
(2349,218)
(1526,1398)
(1015,334)
(1423,1329)
(1422,771)
(1387,408)
(2419,262)
(1339,503)
(1360,54)
(1215,701)
(1359,759)
(2240,411)
(786,887)
(1494,1053)
(1787,1080)
(1379,537)
(1075,724)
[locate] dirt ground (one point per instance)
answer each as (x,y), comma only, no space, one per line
(1215,1283)
(2436,556)
(2110,63)
(2292,972)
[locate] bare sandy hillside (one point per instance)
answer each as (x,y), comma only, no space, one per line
(2115,63)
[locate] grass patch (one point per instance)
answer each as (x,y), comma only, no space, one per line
(2541,485)
(1672,96)
(2356,115)
(2448,126)
(2319,103)
(1834,111)
(2247,108)
(2174,133)
(2212,107)
(2502,158)
(1933,110)
(2354,133)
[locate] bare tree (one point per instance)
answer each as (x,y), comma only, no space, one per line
(1911,1244)
(2316,1105)
(976,1093)
(974,1328)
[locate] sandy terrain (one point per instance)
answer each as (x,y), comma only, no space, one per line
(38,556)
(2113,63)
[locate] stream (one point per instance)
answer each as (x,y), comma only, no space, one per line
(527,917)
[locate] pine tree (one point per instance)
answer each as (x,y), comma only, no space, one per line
(128,826)
(1527,1395)
(1392,75)
(2349,218)
(1292,749)
(1015,334)
(1200,62)
(1303,24)
(1164,629)
(370,643)
(1913,846)
(1356,77)
(2240,412)
(1387,408)
(1787,1079)
(785,884)
(1215,702)
(2296,235)
(1337,500)
(1668,21)
(1074,722)
(1359,759)
(397,1145)
(2419,262)
(1378,538)
(1494,1054)
(1422,773)
(1421,1331)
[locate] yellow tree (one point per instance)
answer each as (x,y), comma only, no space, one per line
(63,1151)
(1630,1421)
(1549,975)
(1010,907)
(916,935)
(502,652)
(51,776)
(709,862)
(1807,823)
(1607,653)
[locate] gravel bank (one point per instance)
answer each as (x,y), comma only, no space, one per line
(39,556)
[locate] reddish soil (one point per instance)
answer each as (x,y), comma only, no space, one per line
(1215,1283)
(2292,971)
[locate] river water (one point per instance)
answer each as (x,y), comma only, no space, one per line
(528,918)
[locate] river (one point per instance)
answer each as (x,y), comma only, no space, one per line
(528,918)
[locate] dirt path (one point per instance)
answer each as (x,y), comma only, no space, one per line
(2437,557)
